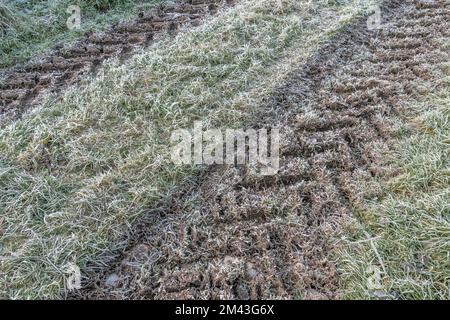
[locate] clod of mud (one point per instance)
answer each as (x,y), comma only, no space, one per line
(22,86)
(239,236)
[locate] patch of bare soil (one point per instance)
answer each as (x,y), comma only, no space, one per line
(21,86)
(237,235)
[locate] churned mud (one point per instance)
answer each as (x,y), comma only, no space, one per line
(21,86)
(236,235)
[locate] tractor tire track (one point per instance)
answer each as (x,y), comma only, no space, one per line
(22,86)
(241,236)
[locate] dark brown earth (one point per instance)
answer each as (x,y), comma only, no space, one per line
(21,86)
(236,235)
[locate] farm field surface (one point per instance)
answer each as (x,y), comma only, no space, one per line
(353,204)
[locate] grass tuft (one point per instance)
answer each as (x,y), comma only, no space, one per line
(409,225)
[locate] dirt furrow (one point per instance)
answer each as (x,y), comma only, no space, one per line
(22,86)
(242,236)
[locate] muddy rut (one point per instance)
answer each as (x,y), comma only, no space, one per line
(22,86)
(237,235)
